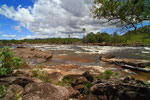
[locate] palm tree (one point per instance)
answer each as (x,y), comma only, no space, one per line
(83,30)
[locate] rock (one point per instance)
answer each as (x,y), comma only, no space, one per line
(126,80)
(139,82)
(72,92)
(79,87)
(89,97)
(88,76)
(55,77)
(45,91)
(22,81)
(80,80)
(14,92)
(119,90)
(32,54)
(107,56)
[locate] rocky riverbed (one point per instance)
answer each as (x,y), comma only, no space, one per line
(63,72)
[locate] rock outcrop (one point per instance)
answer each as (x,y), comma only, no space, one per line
(45,91)
(32,54)
(133,64)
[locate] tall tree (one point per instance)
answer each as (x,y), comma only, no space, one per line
(128,12)
(83,30)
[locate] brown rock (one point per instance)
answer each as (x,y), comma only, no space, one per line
(45,91)
(80,80)
(14,92)
(72,92)
(88,76)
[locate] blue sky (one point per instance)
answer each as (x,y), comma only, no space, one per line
(7,30)
(21,19)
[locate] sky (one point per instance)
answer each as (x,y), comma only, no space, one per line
(28,19)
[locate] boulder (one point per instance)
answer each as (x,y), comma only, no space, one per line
(88,76)
(126,89)
(80,80)
(14,92)
(22,81)
(72,92)
(45,91)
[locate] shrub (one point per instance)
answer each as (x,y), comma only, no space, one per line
(2,91)
(38,73)
(8,62)
(107,75)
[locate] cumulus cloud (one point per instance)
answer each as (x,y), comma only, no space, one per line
(55,18)
(8,36)
(18,28)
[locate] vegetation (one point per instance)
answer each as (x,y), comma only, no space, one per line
(40,74)
(50,41)
(141,36)
(107,75)
(8,62)
(2,91)
(127,12)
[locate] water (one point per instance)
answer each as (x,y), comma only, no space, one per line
(85,55)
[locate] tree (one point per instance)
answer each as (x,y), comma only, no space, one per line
(83,30)
(127,12)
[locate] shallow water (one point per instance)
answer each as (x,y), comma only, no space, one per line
(85,55)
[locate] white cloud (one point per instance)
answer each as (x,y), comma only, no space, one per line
(50,17)
(8,36)
(18,28)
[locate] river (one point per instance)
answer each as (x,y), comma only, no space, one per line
(88,55)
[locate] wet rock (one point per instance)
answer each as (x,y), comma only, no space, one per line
(45,91)
(14,92)
(88,76)
(22,81)
(139,82)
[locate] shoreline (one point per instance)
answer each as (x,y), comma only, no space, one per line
(87,44)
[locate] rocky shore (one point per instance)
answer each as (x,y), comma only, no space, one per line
(70,81)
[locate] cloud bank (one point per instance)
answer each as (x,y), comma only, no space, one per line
(54,18)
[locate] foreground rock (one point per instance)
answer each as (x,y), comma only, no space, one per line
(32,54)
(133,64)
(45,91)
(127,89)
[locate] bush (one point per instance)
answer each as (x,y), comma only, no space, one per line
(107,75)
(8,62)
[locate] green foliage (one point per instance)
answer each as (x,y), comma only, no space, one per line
(2,91)
(66,81)
(40,74)
(9,63)
(128,12)
(107,75)
(50,40)
(87,87)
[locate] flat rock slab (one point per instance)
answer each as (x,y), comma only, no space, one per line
(131,62)
(32,54)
